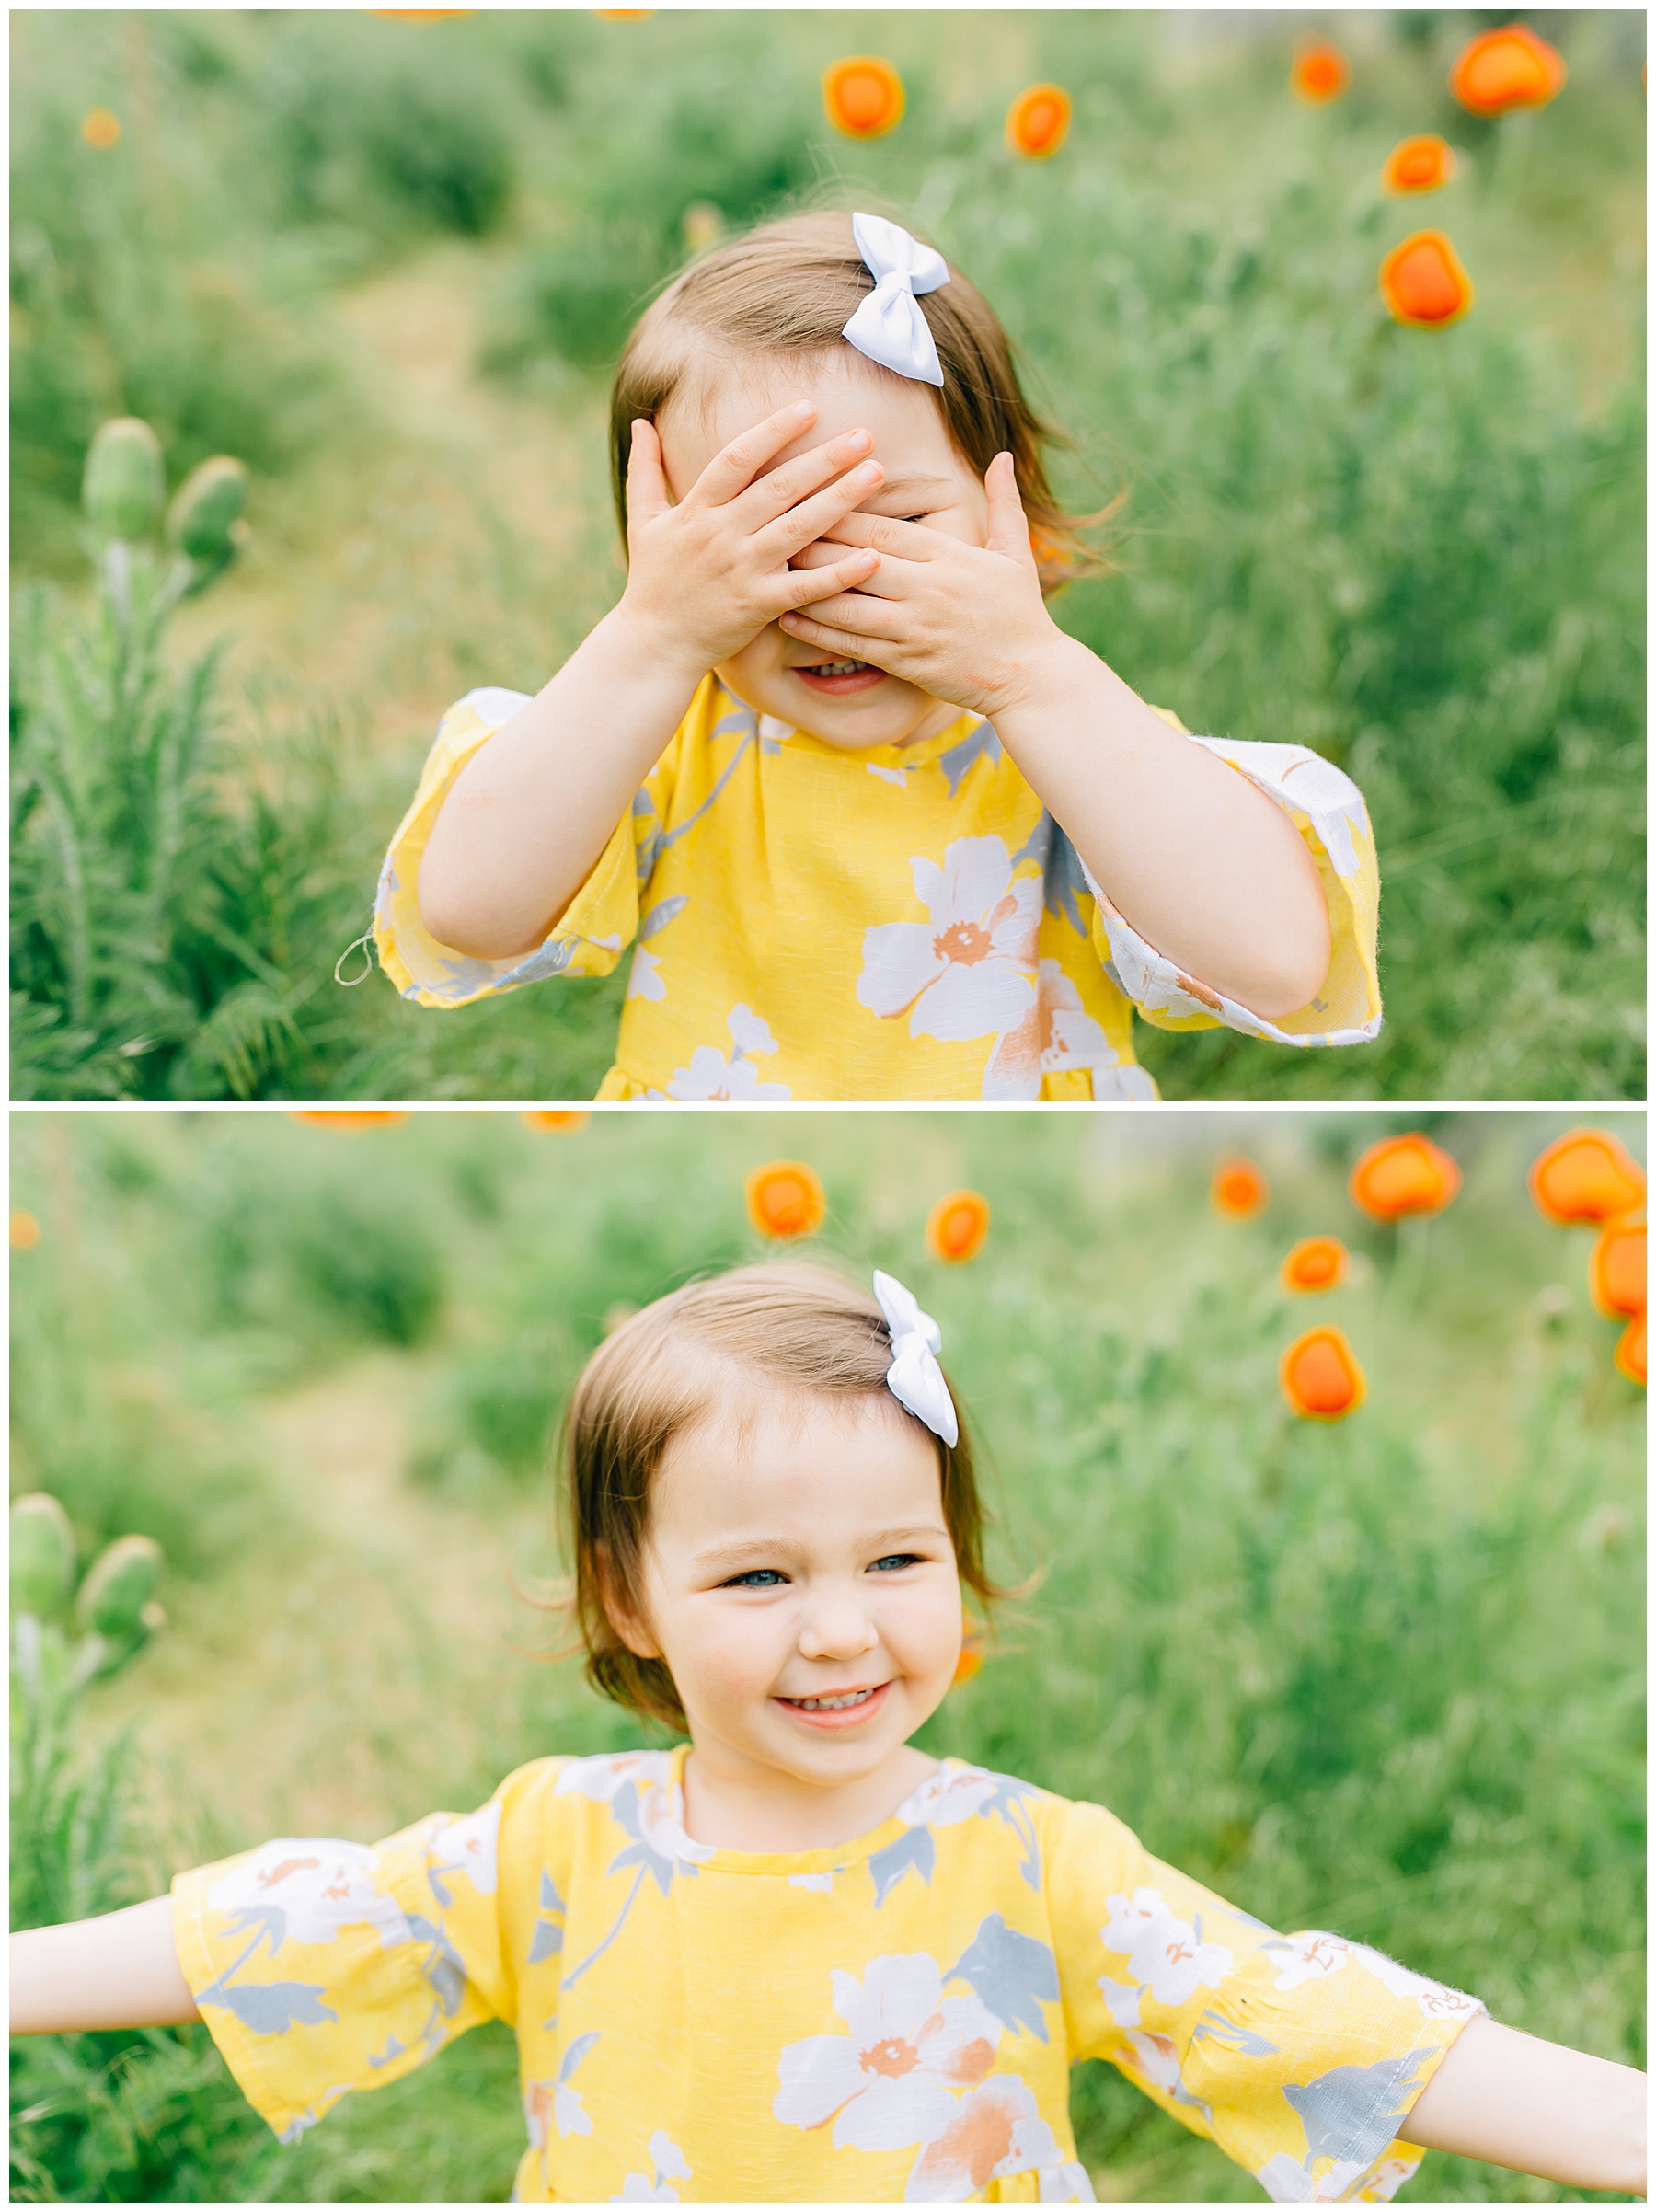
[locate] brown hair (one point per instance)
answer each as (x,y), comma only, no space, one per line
(789,287)
(799,1328)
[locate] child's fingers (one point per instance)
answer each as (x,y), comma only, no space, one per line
(1008,524)
(734,469)
(807,584)
(647,493)
(815,517)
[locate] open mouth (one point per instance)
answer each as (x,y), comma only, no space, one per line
(840,1711)
(833,678)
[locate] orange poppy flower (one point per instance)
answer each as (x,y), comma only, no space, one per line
(1239,1189)
(1315,1263)
(622,14)
(957,1225)
(863,95)
(1320,1377)
(1630,1351)
(349,1121)
(100,129)
(1038,121)
(420,15)
(1586,1175)
(1404,1175)
(972,1649)
(25,1230)
(1423,283)
(1418,165)
(1507,68)
(785,1198)
(1617,1270)
(1320,73)
(548,1117)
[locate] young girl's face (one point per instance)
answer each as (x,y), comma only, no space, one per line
(795,1556)
(926,481)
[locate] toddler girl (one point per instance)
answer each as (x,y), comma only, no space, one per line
(874,825)
(799,1960)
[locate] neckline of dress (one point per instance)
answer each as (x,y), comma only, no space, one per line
(772,729)
(827,1858)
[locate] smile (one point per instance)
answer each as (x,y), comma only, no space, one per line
(839,1704)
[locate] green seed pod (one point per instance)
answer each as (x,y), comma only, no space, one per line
(120,1583)
(42,1556)
(124,489)
(202,520)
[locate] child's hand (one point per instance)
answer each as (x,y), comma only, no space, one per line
(704,578)
(964,623)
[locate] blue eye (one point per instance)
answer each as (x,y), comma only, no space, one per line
(899,1558)
(756,1578)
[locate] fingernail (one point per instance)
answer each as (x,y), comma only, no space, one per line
(801,407)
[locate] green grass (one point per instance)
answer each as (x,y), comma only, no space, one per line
(1383,1677)
(1419,552)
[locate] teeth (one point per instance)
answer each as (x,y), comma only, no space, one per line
(857,1697)
(838,668)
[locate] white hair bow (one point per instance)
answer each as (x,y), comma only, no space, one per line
(915,1378)
(888,327)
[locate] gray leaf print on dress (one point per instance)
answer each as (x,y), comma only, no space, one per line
(913,1848)
(1355,2110)
(981,743)
(548,1935)
(272,2007)
(1214,2027)
(446,1969)
(1013,1974)
(661,913)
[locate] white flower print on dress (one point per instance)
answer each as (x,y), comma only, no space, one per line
(1311,1956)
(970,969)
(1162,1950)
(892,2081)
(645,980)
(949,1796)
(309,1889)
(465,1847)
(1055,1037)
(668,2160)
(1435,2000)
(556,2102)
(711,1077)
(996,2131)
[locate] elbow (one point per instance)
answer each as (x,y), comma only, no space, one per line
(464,925)
(1297,972)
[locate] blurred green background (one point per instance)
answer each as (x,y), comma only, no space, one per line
(389,264)
(1383,1676)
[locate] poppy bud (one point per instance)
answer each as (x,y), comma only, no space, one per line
(42,1556)
(124,488)
(119,1586)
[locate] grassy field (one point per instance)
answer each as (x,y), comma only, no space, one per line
(388,264)
(1383,1677)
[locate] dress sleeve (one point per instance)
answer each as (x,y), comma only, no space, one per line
(1300,2055)
(1327,809)
(595,930)
(322,1967)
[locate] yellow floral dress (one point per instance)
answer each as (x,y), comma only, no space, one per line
(889,2020)
(896,923)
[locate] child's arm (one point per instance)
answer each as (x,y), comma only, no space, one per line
(1204,867)
(120,1970)
(1536,2108)
(532,811)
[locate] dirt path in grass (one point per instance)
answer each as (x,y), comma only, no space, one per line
(327,1689)
(463,541)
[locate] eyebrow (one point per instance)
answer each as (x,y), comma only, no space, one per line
(912,483)
(780,1548)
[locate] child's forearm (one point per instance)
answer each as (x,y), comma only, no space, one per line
(118,1972)
(1207,869)
(532,810)
(1536,2108)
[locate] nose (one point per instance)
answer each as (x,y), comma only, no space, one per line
(838,1625)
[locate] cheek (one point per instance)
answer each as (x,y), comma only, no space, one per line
(734,1655)
(923,1626)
